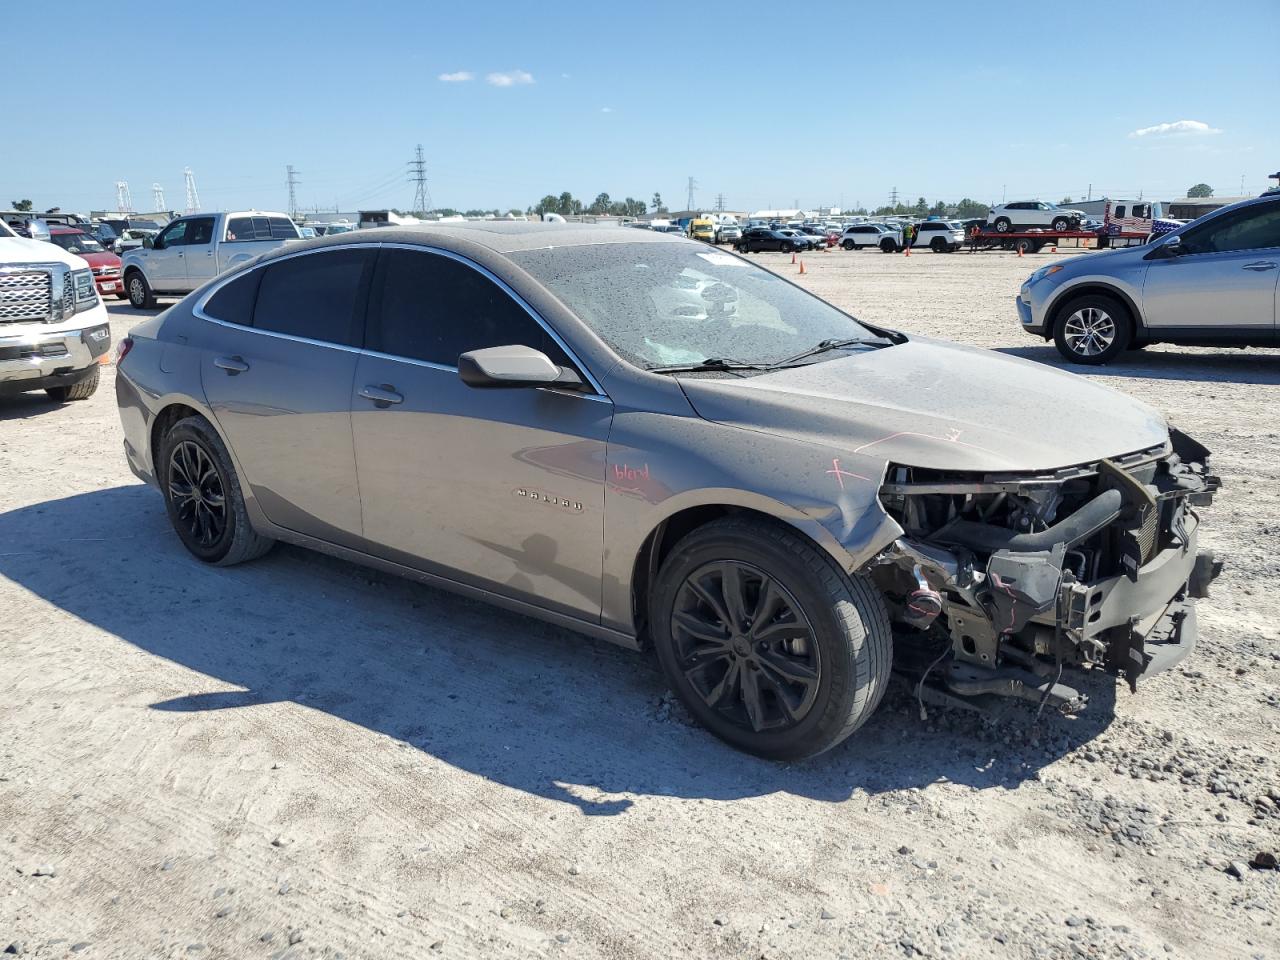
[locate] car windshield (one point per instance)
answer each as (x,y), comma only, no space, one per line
(76,243)
(661,304)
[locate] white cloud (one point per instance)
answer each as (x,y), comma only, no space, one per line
(462,76)
(1178,128)
(564,76)
(510,79)
(606,109)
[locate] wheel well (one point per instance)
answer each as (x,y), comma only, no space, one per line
(1097,289)
(165,419)
(668,533)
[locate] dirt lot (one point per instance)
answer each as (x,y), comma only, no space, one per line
(299,758)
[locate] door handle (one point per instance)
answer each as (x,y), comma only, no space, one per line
(382,396)
(1260,265)
(232,365)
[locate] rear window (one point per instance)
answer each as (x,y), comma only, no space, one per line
(319,296)
(244,229)
(233,303)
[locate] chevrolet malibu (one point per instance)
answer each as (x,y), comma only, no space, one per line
(654,442)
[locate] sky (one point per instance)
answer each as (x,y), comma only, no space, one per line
(769,104)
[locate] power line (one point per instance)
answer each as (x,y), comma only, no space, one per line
(418,177)
(292,181)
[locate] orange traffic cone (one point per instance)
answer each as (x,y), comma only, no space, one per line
(802,268)
(793,259)
(1019,249)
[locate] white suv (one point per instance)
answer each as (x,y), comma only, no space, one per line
(1034,213)
(54,330)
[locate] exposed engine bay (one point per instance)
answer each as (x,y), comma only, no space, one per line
(1000,581)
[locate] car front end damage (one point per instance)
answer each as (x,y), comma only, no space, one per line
(1001,581)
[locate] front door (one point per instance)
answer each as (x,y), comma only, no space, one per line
(1222,285)
(501,489)
(166,261)
(277,371)
(202,264)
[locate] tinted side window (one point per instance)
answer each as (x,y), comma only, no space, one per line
(1252,228)
(233,303)
(282,228)
(1120,210)
(200,231)
(174,235)
(320,296)
(429,307)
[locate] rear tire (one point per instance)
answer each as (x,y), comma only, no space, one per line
(1093,329)
(811,646)
(203,497)
(76,391)
(888,246)
(139,291)
(1003,225)
(1061,224)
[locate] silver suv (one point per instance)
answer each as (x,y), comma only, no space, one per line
(1211,282)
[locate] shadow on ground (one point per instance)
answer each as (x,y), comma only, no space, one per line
(503,696)
(1253,366)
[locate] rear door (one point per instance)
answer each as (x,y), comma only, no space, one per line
(277,373)
(500,489)
(1223,286)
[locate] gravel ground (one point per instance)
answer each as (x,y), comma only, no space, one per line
(300,758)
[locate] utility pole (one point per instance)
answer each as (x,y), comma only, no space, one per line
(157,197)
(1091,191)
(720,202)
(292,182)
(418,177)
(124,202)
(193,196)
(692,184)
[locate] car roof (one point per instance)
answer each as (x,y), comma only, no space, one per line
(503,237)
(58,228)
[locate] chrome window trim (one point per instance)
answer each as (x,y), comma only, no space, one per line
(199,311)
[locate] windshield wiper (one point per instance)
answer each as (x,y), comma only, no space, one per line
(714,364)
(824,346)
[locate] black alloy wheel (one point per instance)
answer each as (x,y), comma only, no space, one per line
(198,494)
(745,646)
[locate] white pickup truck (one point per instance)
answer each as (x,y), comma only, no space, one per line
(54,330)
(198,247)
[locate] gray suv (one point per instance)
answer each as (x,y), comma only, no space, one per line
(640,438)
(1211,282)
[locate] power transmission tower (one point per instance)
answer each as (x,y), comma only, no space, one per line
(893,197)
(692,184)
(157,197)
(418,177)
(124,202)
(193,196)
(292,182)
(720,202)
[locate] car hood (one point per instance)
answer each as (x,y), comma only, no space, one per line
(100,259)
(935,404)
(19,250)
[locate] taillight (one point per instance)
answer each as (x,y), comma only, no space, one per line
(123,349)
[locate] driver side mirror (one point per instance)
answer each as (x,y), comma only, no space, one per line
(1167,249)
(150,243)
(512,367)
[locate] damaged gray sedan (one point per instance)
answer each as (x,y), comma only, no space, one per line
(646,440)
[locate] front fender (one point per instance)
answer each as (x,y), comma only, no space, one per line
(660,465)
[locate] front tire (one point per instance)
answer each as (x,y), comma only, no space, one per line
(938,245)
(139,291)
(76,391)
(203,498)
(770,645)
(788,248)
(849,245)
(1093,329)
